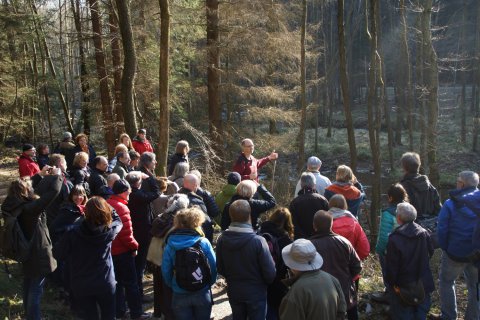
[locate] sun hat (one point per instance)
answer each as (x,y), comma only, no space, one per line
(301,255)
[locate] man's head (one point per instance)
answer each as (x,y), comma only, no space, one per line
(124,158)
(301,256)
(142,133)
(111,178)
(100,163)
(122,189)
(467,179)
(58,160)
(322,221)
(148,160)
(67,136)
(410,162)
(190,182)
(314,164)
(247,146)
(134,158)
(234,178)
(307,180)
(240,211)
(406,213)
(29,150)
(134,178)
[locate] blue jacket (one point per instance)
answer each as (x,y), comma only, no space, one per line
(180,239)
(456,224)
(87,250)
(388,222)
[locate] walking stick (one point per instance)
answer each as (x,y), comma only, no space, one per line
(273,173)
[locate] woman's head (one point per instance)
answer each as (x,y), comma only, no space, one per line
(80,160)
(98,212)
(190,218)
(78,195)
(182,147)
(283,219)
(344,174)
(120,148)
(43,149)
(338,201)
(246,189)
(125,139)
(162,183)
(21,188)
(81,139)
(181,169)
(397,194)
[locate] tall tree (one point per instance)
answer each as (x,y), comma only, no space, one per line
(129,65)
(106,100)
(303,85)
(345,86)
(164,123)
(213,77)
(476,114)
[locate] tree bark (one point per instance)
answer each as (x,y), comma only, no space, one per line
(476,114)
(463,102)
(164,123)
(129,65)
(345,86)
(301,134)
(106,100)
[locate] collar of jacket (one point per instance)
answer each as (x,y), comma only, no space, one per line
(115,197)
(241,227)
(319,235)
(307,190)
(25,156)
(290,281)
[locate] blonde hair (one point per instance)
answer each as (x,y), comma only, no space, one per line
(121,148)
(246,189)
(129,142)
(182,146)
(190,218)
(344,174)
(80,156)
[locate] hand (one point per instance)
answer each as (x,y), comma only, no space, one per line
(273,156)
(56,171)
(145,176)
(45,170)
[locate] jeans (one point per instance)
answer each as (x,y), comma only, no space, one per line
(399,311)
(104,301)
(32,293)
(192,306)
(449,272)
(140,264)
(127,286)
(253,310)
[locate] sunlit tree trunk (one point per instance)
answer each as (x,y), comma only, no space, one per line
(301,134)
(476,116)
(463,75)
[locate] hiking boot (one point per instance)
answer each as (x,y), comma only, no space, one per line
(380,297)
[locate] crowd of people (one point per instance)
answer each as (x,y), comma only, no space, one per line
(96,225)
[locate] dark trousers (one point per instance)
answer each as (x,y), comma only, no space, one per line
(127,286)
(140,264)
(162,296)
(90,305)
(251,310)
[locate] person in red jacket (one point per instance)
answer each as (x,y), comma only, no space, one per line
(346,225)
(140,142)
(247,165)
(124,250)
(27,166)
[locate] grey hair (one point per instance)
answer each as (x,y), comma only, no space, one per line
(177,202)
(181,169)
(406,212)
(134,178)
(314,163)
(411,162)
(308,180)
(111,178)
(197,174)
(246,188)
(469,178)
(147,158)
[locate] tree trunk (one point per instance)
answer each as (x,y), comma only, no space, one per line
(117,69)
(301,134)
(420,85)
(345,87)
(213,77)
(476,114)
(162,152)
(129,65)
(463,102)
(83,67)
(430,70)
(107,118)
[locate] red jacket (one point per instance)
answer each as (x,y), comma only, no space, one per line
(244,166)
(26,166)
(124,241)
(348,227)
(142,146)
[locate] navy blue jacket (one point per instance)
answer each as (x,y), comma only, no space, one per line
(409,250)
(141,213)
(97,182)
(456,224)
(87,250)
(68,215)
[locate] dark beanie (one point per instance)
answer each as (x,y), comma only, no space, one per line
(234,178)
(120,186)
(27,147)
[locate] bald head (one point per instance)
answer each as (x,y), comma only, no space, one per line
(240,211)
(191,182)
(322,221)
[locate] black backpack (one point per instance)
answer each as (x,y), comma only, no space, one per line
(13,243)
(273,247)
(192,270)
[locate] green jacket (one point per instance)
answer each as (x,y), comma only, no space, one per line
(388,222)
(314,295)
(224,196)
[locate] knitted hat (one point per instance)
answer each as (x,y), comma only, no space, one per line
(27,147)
(120,186)
(234,178)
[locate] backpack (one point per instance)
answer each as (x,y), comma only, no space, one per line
(192,270)
(13,243)
(273,247)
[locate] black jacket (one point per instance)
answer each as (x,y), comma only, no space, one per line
(422,195)
(258,206)
(409,250)
(196,200)
(87,250)
(79,175)
(139,204)
(32,220)
(209,201)
(174,159)
(54,207)
(244,259)
(68,214)
(303,208)
(97,182)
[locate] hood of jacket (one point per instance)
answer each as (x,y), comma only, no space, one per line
(349,191)
(417,181)
(409,230)
(457,195)
(182,238)
(235,240)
